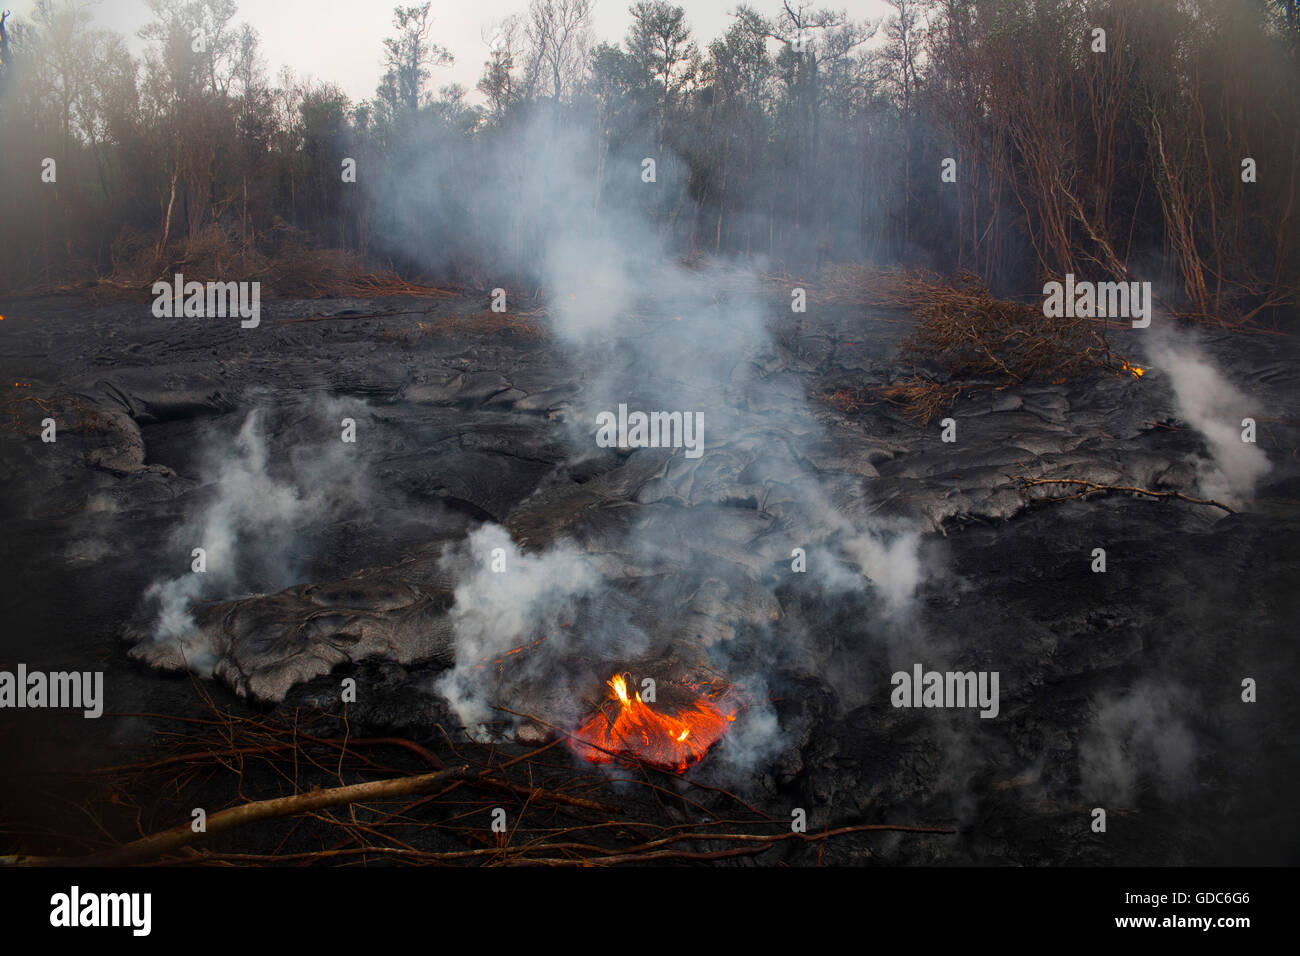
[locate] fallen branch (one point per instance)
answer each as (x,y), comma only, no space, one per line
(1093,487)
(659,849)
(152,847)
(378,820)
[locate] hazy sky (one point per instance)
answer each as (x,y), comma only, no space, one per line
(343,42)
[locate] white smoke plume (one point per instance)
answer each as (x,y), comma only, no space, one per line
(506,599)
(891,562)
(641,329)
(1138,737)
(251,528)
(1215,408)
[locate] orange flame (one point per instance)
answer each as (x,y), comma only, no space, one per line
(669,741)
(1136,371)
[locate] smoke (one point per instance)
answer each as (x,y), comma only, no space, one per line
(606,291)
(889,558)
(1215,408)
(643,330)
(255,527)
(754,740)
(682,583)
(507,599)
(94,539)
(1138,737)
(866,555)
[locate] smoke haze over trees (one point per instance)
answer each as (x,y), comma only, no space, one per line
(800,138)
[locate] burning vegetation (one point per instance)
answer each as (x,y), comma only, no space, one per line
(671,735)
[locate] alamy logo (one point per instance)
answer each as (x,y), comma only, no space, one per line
(653,430)
(923,688)
(75,908)
(23,688)
(213,300)
(1087,300)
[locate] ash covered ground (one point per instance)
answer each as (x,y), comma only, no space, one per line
(328,559)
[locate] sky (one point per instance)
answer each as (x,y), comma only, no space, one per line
(343,41)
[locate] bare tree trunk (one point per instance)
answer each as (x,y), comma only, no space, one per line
(167,219)
(722,197)
(1174,196)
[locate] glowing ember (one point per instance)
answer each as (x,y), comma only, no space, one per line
(669,738)
(1134,370)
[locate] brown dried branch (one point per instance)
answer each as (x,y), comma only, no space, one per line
(169,841)
(542,788)
(966,338)
(1093,487)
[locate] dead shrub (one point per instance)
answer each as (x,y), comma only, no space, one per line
(289,267)
(966,339)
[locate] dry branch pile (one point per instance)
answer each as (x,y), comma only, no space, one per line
(975,335)
(293,268)
(307,792)
(322,273)
(965,338)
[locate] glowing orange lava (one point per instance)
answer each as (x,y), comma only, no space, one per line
(628,726)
